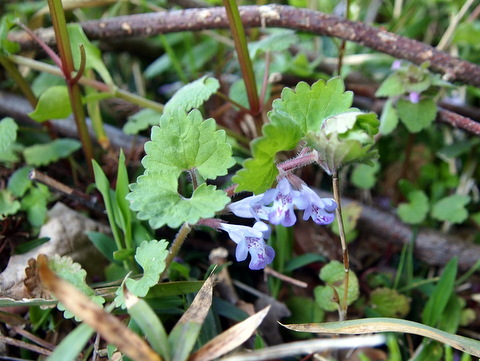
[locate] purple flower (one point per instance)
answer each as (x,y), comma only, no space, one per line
(414,97)
(320,209)
(397,64)
(251,240)
(249,207)
(280,203)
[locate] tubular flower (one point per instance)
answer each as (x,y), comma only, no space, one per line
(249,207)
(251,240)
(320,209)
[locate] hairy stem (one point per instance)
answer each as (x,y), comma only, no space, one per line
(346,259)
(176,246)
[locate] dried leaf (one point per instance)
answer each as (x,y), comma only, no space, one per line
(109,327)
(230,339)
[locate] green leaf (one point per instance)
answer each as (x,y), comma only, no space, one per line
(7,47)
(43,81)
(149,323)
(124,214)
(298,112)
(93,56)
(333,274)
(415,211)
(105,244)
(277,41)
(343,139)
(43,154)
(19,183)
(150,255)
(8,134)
(8,204)
(389,118)
(417,116)
(184,335)
(451,208)
(142,120)
(381,324)
(433,311)
(72,272)
(364,175)
(54,103)
(35,204)
(391,86)
(72,344)
(350,213)
(181,143)
(192,95)
(389,303)
(467,33)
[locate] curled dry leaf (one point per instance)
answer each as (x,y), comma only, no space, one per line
(107,325)
(230,339)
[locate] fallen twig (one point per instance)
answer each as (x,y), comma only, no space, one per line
(140,25)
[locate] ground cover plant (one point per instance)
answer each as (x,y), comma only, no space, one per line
(193,180)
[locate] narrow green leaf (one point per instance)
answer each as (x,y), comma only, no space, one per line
(43,154)
(73,344)
(380,324)
(389,118)
(121,191)
(105,244)
(183,336)
(149,323)
(433,311)
(93,56)
(7,47)
(54,103)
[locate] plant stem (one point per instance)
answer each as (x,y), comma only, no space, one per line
(346,259)
(176,246)
(113,91)
(68,67)
(238,33)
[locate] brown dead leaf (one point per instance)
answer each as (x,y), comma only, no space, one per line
(230,339)
(107,325)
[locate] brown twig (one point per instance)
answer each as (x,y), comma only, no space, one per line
(140,25)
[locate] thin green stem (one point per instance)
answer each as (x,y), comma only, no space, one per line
(19,80)
(173,58)
(241,47)
(113,91)
(176,246)
(346,258)
(68,67)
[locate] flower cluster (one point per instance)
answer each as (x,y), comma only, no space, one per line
(277,205)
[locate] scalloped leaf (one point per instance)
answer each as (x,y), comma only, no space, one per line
(451,208)
(181,143)
(150,255)
(298,112)
(416,210)
(192,95)
(54,103)
(73,273)
(141,120)
(43,154)
(417,116)
(8,204)
(333,274)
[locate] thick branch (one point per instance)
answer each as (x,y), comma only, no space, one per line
(314,22)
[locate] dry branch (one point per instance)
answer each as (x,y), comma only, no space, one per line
(141,25)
